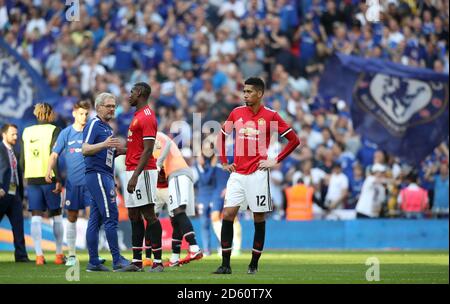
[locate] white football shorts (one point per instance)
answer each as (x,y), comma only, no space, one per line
(145,192)
(180,192)
(249,191)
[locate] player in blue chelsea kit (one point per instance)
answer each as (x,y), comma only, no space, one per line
(77,196)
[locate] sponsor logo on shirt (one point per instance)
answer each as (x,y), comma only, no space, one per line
(249,131)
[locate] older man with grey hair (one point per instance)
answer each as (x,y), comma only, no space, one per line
(99,149)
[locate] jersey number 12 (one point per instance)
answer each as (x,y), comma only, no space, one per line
(260,200)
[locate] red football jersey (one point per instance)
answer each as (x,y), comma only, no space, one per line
(143,127)
(252,135)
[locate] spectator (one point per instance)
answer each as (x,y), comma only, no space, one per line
(413,200)
(236,6)
(288,16)
(231,25)
(54,66)
(251,67)
(356,184)
(311,177)
(222,44)
(330,16)
(249,29)
(218,78)
(181,45)
(124,118)
(36,22)
(4,19)
(337,189)
(345,158)
(150,52)
(440,203)
(32,61)
(207,94)
(284,57)
(308,39)
(373,194)
(123,52)
(89,71)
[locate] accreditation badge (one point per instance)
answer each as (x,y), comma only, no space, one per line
(12,189)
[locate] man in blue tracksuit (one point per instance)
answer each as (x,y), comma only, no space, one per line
(221,177)
(99,149)
(206,185)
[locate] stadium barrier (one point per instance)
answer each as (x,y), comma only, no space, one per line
(389,234)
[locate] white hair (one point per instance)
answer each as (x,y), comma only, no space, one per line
(100,99)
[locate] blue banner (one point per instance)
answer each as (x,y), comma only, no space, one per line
(20,88)
(401,108)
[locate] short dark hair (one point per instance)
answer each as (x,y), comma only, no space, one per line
(6,127)
(257,82)
(336,164)
(83,104)
(146,90)
(412,176)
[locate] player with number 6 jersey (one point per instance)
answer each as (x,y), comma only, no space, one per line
(140,197)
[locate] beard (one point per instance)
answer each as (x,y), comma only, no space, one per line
(108,117)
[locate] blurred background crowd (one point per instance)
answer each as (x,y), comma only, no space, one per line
(196,55)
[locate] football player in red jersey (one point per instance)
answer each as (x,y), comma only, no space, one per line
(248,185)
(142,177)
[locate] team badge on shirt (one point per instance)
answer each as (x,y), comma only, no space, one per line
(261,121)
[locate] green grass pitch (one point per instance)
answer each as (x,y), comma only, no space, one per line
(288,267)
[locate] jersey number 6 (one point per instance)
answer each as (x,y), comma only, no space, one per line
(138,194)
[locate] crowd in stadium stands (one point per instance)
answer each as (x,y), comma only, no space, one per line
(196,55)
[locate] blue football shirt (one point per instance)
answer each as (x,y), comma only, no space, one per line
(97,131)
(68,144)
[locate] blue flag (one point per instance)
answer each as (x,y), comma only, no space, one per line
(20,88)
(401,108)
